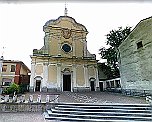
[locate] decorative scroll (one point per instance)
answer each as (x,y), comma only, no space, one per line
(66,33)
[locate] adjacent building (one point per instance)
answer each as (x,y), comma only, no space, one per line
(105,82)
(13,72)
(64,62)
(136,57)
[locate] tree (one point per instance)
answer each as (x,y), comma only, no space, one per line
(114,39)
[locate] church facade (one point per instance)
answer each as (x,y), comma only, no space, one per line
(64,62)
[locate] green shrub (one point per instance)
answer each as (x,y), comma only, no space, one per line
(23,88)
(12,88)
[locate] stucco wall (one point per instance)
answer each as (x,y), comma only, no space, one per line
(53,47)
(91,72)
(39,69)
(23,71)
(79,48)
(136,64)
(52,74)
(80,76)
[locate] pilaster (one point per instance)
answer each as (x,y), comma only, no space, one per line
(74,76)
(59,85)
(32,86)
(74,48)
(85,48)
(97,78)
(59,45)
(86,75)
(45,77)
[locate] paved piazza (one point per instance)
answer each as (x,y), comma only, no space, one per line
(85,97)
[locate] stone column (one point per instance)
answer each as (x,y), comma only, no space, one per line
(45,77)
(74,78)
(59,84)
(32,80)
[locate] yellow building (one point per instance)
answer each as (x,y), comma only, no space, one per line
(64,63)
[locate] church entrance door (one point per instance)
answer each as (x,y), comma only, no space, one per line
(38,84)
(101,86)
(66,82)
(92,85)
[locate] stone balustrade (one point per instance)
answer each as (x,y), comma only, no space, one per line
(149,99)
(21,104)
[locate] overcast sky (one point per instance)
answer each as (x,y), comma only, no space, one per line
(21,23)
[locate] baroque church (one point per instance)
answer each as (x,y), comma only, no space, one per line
(64,62)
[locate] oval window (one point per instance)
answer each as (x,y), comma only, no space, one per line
(66,48)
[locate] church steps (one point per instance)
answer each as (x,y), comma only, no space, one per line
(80,119)
(95,118)
(114,113)
(91,112)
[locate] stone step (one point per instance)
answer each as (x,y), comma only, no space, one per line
(81,117)
(96,104)
(114,113)
(103,104)
(102,110)
(92,112)
(106,106)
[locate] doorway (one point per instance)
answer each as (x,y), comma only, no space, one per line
(66,82)
(38,84)
(101,86)
(92,85)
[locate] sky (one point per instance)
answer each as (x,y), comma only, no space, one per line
(21,23)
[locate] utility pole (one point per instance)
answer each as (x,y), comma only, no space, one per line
(1,65)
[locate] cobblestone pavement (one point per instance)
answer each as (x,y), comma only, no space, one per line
(99,98)
(21,117)
(70,97)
